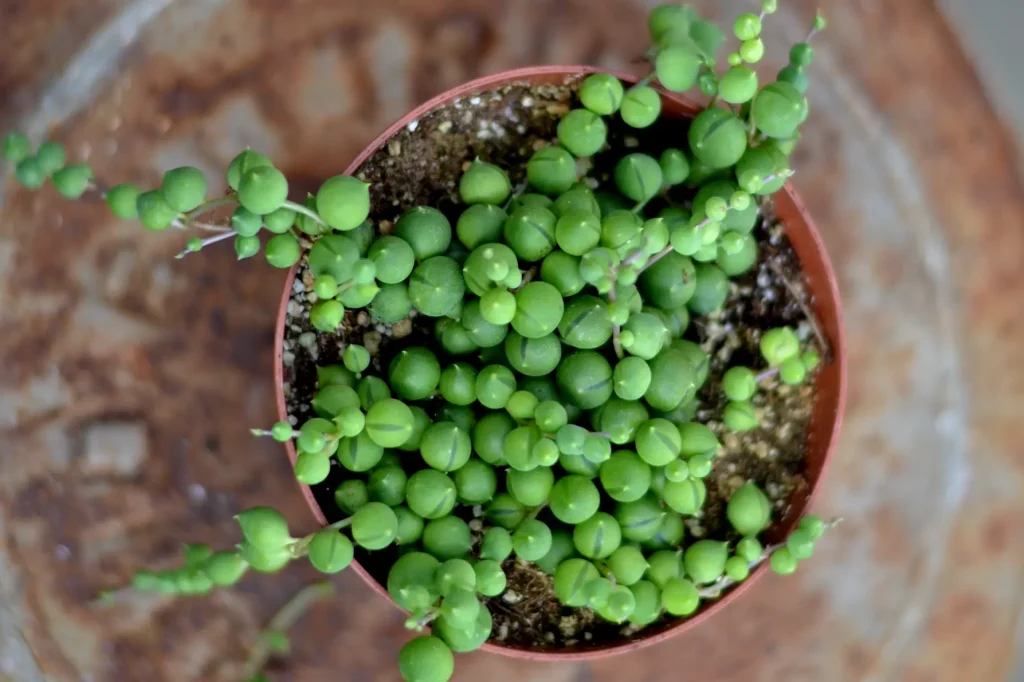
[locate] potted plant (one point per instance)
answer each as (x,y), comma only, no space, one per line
(560,355)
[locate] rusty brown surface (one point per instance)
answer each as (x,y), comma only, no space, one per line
(132,377)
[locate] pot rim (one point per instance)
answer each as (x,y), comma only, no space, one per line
(827,291)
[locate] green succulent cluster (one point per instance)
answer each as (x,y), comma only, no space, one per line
(787,362)
(550,415)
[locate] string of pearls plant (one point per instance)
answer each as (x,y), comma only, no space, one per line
(590,481)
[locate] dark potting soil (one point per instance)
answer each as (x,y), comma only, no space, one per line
(421,165)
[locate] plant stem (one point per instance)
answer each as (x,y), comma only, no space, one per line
(263,432)
(426,619)
(819,334)
(616,329)
(299,208)
(209,240)
(178,225)
(299,547)
(657,257)
(209,206)
(282,621)
(338,525)
(536,510)
(516,193)
(767,374)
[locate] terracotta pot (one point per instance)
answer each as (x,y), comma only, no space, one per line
(830,385)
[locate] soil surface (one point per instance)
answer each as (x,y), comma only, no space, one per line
(421,165)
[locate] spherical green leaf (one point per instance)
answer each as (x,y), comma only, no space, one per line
(447,537)
(680,597)
(582,132)
(704,561)
(330,551)
(505,511)
(539,309)
(445,446)
(647,600)
(282,251)
(749,549)
(684,497)
(387,484)
(264,559)
(669,283)
(343,202)
(749,510)
(638,176)
(436,286)
(224,568)
(551,170)
(31,175)
(455,574)
(359,453)
(531,488)
(263,527)
(620,419)
(717,138)
(153,210)
(410,526)
(426,659)
(571,577)
(72,181)
(262,189)
(484,183)
(778,109)
(489,437)
(738,85)
(426,230)
(783,562)
(586,378)
(574,499)
(740,416)
(16,147)
(584,323)
(350,495)
(480,224)
(184,188)
(550,416)
(391,303)
(532,540)
(625,477)
(51,156)
(122,200)
(639,520)
(414,373)
(577,232)
(641,106)
(312,467)
(736,569)
(631,378)
(598,536)
(677,68)
(430,494)
(601,93)
(778,345)
(464,640)
(673,380)
(740,261)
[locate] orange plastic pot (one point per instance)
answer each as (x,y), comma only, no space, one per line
(830,385)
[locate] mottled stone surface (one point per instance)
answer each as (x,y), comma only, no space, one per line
(905,167)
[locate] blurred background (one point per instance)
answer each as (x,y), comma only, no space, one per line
(128,380)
